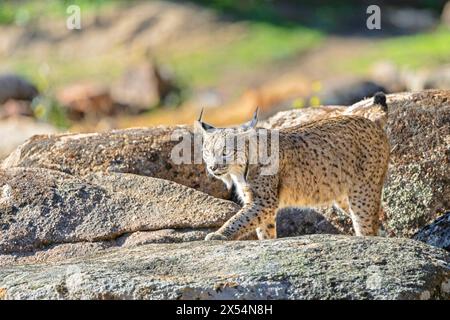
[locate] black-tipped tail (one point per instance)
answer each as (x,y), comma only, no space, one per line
(380,98)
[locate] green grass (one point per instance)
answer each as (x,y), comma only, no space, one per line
(22,12)
(262,43)
(62,71)
(413,52)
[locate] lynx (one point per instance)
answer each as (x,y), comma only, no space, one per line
(340,160)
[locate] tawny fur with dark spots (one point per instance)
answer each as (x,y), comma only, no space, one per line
(341,160)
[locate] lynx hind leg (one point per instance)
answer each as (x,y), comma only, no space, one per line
(365,209)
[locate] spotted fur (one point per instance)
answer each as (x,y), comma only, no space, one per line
(341,160)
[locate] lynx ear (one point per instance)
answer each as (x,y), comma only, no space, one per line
(252,123)
(202,126)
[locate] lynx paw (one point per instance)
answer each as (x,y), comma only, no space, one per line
(214,236)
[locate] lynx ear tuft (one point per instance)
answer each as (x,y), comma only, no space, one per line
(199,124)
(252,123)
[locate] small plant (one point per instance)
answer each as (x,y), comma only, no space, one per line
(47,109)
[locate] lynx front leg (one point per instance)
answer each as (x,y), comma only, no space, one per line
(245,221)
(267,230)
(260,196)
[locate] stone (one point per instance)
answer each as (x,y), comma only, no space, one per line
(142,151)
(307,267)
(142,87)
(40,209)
(364,108)
(416,190)
(16,87)
(390,76)
(86,99)
(437,233)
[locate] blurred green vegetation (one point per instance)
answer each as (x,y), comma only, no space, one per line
(413,51)
(46,108)
(261,10)
(21,12)
(103,68)
(262,43)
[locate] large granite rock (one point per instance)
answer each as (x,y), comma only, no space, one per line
(46,214)
(308,267)
(142,151)
(417,189)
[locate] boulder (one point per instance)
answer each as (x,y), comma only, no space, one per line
(86,99)
(417,188)
(436,233)
(308,267)
(142,151)
(42,209)
(142,87)
(17,88)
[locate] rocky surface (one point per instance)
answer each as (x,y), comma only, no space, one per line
(437,233)
(302,221)
(309,267)
(417,188)
(44,209)
(142,151)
